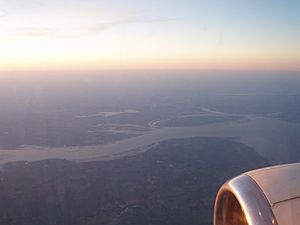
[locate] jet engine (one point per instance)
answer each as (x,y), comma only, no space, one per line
(269,196)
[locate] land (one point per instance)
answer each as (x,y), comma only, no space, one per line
(174,182)
(147,147)
(196,120)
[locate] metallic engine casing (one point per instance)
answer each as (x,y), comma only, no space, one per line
(269,196)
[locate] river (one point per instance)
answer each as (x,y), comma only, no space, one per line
(274,139)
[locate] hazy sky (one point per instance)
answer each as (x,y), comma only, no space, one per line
(108,34)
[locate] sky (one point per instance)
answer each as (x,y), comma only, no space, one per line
(144,34)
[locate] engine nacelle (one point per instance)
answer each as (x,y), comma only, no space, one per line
(269,196)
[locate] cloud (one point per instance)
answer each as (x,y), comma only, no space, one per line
(19,4)
(132,19)
(79,30)
(32,31)
(3,12)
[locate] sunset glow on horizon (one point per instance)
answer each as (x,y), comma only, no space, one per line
(194,34)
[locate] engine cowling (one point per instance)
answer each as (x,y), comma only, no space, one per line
(269,196)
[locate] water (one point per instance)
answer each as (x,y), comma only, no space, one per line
(274,139)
